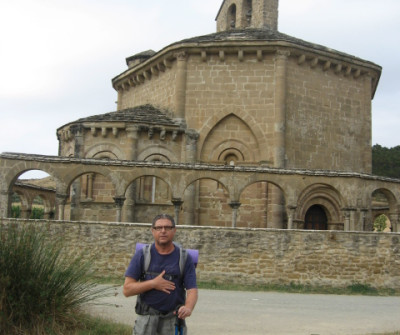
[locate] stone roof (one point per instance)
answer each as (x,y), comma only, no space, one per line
(253,34)
(141,56)
(145,114)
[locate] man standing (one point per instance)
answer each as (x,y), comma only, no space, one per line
(164,290)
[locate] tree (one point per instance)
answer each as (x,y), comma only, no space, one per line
(386,161)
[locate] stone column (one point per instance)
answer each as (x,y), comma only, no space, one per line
(129,208)
(235,206)
(90,179)
(61,200)
(4,204)
(119,98)
(181,79)
(366,144)
(352,219)
(394,220)
(281,60)
(346,220)
(190,194)
(77,131)
(364,212)
(119,203)
(291,213)
(177,208)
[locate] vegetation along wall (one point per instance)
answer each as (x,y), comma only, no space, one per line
(248,256)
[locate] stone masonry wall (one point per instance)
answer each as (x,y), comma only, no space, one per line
(331,109)
(249,256)
(159,91)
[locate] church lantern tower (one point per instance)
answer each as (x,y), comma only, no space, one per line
(241,14)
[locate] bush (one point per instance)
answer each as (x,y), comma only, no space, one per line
(42,290)
(380,223)
(37,213)
(15,211)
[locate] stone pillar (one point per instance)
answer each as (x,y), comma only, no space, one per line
(77,131)
(394,220)
(4,204)
(291,213)
(191,191)
(235,206)
(119,203)
(61,200)
(177,208)
(119,99)
(352,219)
(90,179)
(129,208)
(281,60)
(366,144)
(346,220)
(180,95)
(363,218)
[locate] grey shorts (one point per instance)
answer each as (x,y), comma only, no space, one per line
(155,325)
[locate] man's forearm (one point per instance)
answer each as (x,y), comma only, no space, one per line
(132,288)
(191,298)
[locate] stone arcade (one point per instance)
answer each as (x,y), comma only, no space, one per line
(245,127)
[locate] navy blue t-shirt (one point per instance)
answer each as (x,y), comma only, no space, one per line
(158,300)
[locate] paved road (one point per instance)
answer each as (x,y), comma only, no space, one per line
(261,313)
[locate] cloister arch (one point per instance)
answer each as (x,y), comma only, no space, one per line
(146,194)
(343,194)
(262,205)
(205,200)
(28,190)
(383,202)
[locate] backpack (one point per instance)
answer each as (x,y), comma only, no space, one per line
(182,258)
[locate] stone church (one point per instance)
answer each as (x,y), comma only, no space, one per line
(246,95)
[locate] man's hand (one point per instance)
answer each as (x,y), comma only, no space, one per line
(184,312)
(161,284)
(134,287)
(191,299)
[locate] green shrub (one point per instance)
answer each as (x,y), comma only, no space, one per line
(37,213)
(41,288)
(380,223)
(15,211)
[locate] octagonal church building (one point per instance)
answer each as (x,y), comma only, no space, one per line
(244,96)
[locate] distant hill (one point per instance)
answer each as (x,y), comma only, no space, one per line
(47,182)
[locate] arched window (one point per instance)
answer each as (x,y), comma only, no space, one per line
(232,17)
(247,12)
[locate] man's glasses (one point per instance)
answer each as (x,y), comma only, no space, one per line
(160,228)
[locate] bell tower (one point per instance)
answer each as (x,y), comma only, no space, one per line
(242,14)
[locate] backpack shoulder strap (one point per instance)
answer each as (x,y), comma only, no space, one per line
(146,257)
(182,259)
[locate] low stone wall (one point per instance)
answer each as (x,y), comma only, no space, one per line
(249,256)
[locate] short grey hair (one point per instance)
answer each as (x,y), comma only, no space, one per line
(163,216)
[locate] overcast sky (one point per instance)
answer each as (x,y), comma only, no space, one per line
(57,57)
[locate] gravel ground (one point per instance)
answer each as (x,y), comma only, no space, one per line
(260,313)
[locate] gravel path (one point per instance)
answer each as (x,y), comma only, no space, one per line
(260,313)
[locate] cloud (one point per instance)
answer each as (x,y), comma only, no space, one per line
(57,58)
